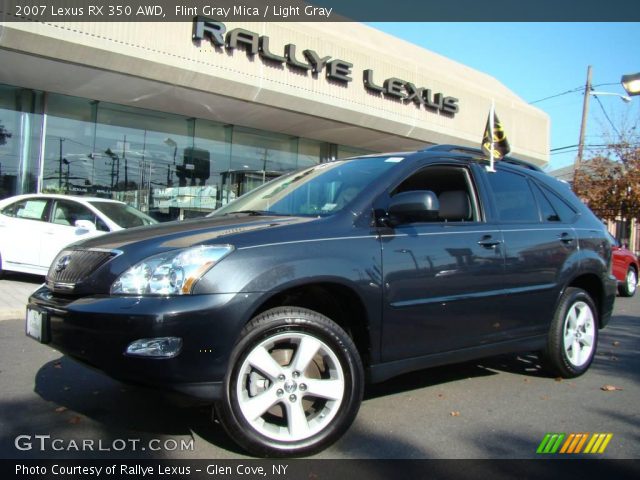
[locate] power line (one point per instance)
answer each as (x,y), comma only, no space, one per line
(615,129)
(574,90)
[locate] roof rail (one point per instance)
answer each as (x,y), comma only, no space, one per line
(477,151)
(451,148)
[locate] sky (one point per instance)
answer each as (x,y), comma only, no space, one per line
(539,60)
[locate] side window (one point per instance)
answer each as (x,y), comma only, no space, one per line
(68,213)
(453,187)
(31,209)
(565,211)
(549,213)
(513,196)
(100,225)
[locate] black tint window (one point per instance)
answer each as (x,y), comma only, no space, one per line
(513,196)
(549,213)
(566,212)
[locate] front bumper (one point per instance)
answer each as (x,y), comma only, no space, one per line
(97,330)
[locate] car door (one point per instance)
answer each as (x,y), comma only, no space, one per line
(62,230)
(441,277)
(22,225)
(539,241)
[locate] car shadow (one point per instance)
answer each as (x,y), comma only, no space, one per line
(23,277)
(522,364)
(122,410)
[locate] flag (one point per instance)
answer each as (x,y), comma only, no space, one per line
(494,142)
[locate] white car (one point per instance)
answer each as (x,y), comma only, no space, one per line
(35,227)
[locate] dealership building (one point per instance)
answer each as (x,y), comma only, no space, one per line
(180,118)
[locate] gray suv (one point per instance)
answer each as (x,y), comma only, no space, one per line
(281,305)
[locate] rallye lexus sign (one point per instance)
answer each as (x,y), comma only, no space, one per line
(309,60)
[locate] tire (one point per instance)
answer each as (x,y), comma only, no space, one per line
(294,384)
(573,335)
(630,284)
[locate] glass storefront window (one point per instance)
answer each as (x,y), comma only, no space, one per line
(20,126)
(170,166)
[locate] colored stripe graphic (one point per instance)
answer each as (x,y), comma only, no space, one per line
(574,443)
(550,443)
(598,443)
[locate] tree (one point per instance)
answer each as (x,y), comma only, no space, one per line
(609,182)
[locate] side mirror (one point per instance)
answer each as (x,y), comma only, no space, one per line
(414,206)
(83,226)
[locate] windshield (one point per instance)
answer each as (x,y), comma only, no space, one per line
(320,190)
(123,215)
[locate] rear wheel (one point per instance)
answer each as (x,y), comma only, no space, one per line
(573,335)
(294,385)
(630,284)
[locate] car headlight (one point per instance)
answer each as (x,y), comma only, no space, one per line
(170,273)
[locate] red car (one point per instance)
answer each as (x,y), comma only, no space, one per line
(625,269)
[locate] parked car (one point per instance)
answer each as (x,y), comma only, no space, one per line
(279,305)
(35,227)
(625,269)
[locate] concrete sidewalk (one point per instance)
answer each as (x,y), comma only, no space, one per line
(15,289)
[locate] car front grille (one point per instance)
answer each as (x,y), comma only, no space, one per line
(71,267)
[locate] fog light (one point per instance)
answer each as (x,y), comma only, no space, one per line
(161,347)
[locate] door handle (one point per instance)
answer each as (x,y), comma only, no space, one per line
(566,238)
(489,242)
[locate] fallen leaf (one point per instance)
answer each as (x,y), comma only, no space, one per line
(558,379)
(455,413)
(74,420)
(60,409)
(610,388)
(544,397)
(526,380)
(440,395)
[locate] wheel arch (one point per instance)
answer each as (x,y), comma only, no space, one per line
(592,284)
(335,300)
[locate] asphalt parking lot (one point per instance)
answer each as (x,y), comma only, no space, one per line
(501,407)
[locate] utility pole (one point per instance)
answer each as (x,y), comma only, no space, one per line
(60,165)
(585,113)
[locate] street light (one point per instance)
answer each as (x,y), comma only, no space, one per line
(631,84)
(171,143)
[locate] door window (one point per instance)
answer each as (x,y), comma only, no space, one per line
(68,213)
(453,187)
(513,197)
(31,209)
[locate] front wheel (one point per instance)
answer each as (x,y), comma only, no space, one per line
(573,335)
(294,385)
(630,284)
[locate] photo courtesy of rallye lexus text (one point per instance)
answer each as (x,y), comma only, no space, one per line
(280,305)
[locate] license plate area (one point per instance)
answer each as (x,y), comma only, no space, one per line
(37,325)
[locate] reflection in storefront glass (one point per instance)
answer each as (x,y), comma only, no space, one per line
(170,166)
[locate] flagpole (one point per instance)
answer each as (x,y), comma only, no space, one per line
(492,114)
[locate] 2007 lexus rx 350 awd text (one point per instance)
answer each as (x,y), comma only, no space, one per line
(279,306)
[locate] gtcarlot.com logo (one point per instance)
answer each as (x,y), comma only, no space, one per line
(574,443)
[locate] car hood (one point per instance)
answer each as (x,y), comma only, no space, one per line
(181,234)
